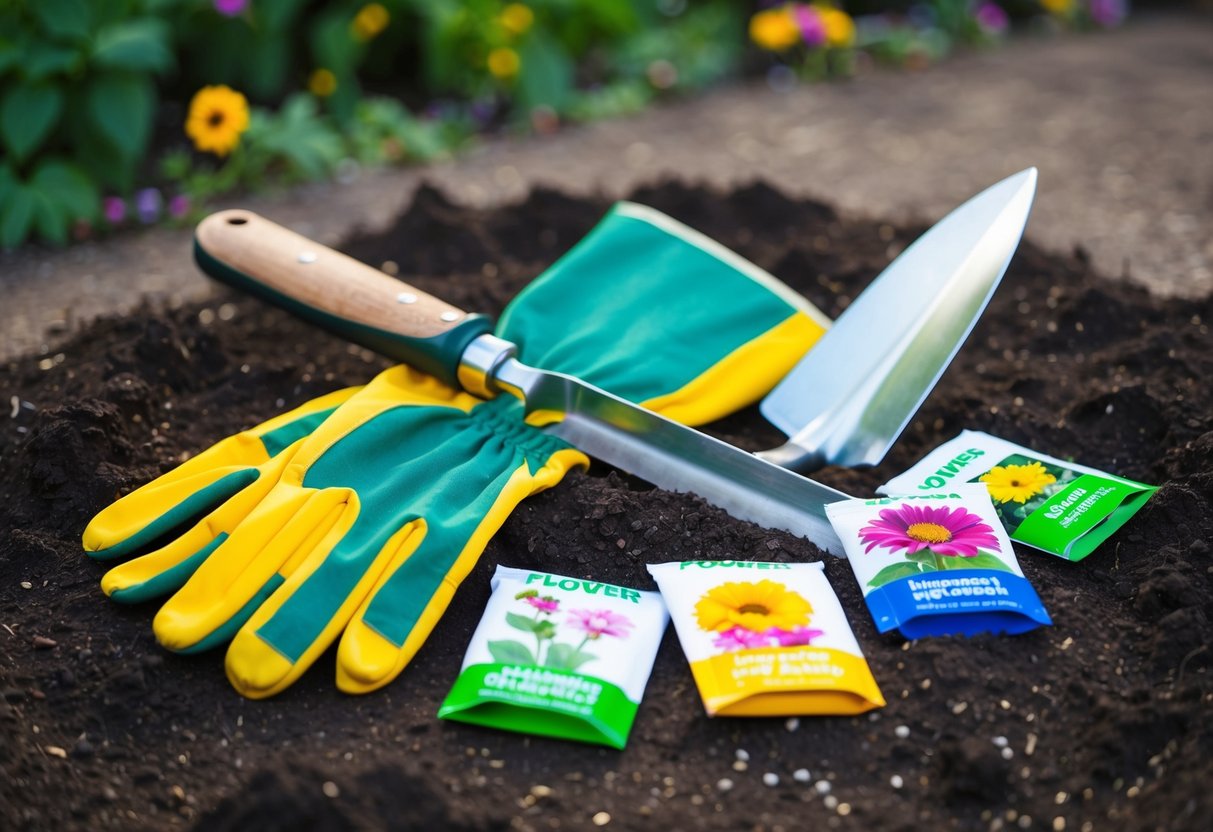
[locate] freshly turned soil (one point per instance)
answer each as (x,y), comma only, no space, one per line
(1102,721)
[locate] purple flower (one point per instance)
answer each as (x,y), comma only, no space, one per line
(114,209)
(795,637)
(739,638)
(230,8)
(812,27)
(1109,13)
(179,206)
(991,18)
(546,604)
(148,203)
(598,623)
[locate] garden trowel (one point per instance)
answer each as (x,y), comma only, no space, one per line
(853,393)
(380,312)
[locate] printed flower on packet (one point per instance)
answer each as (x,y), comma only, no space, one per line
(1017,483)
(944,530)
(598,623)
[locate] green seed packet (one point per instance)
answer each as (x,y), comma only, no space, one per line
(559,657)
(1059,507)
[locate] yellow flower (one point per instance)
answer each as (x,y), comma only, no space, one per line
(1058,6)
(217,117)
(774,29)
(504,62)
(516,18)
(1017,482)
(840,28)
(322,83)
(754,606)
(370,21)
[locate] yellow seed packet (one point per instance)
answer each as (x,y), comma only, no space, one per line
(766,639)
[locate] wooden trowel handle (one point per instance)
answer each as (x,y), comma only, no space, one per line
(337,292)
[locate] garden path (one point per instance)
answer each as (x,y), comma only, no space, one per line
(1120,125)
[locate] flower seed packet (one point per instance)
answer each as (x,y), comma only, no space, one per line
(559,657)
(766,639)
(936,564)
(1058,507)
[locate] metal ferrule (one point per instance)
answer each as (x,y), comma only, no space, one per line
(480,362)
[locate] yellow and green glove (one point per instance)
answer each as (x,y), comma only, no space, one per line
(358,515)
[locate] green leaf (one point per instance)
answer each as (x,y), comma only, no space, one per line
(510,652)
(16,216)
(28,113)
(982,560)
(50,220)
(566,657)
(71,19)
(67,188)
(141,45)
(521,622)
(42,60)
(120,106)
(897,571)
(546,74)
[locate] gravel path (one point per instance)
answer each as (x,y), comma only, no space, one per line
(1120,125)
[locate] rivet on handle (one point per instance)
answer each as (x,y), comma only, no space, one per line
(307,257)
(450,315)
(406,297)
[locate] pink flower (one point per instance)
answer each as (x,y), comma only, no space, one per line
(991,17)
(739,638)
(598,623)
(114,209)
(812,27)
(546,604)
(795,637)
(943,530)
(230,8)
(1109,13)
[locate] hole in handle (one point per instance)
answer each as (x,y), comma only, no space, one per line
(237,220)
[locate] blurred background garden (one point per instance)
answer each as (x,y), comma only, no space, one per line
(121,113)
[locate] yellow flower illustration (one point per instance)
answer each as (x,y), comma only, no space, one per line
(322,83)
(754,606)
(774,29)
(504,62)
(1017,482)
(840,28)
(217,117)
(370,21)
(1058,6)
(516,18)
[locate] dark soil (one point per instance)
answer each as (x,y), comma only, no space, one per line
(1100,722)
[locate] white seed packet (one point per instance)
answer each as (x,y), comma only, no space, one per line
(559,657)
(936,564)
(766,639)
(1052,505)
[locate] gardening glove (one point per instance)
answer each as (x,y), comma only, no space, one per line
(378,515)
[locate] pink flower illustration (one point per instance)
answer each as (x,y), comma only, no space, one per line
(795,637)
(546,604)
(739,638)
(598,623)
(943,530)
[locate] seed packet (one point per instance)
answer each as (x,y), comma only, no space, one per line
(936,564)
(1058,507)
(559,657)
(766,639)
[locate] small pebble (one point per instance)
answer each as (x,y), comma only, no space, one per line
(601,819)
(26,585)
(740,766)
(1059,824)
(844,809)
(830,801)
(743,755)
(541,791)
(1007,753)
(56,751)
(44,643)
(1001,742)
(801,775)
(770,779)
(896,782)
(724,784)
(792,724)
(822,786)
(902,731)
(330,789)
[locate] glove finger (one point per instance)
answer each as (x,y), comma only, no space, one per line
(246,567)
(306,613)
(171,504)
(165,570)
(412,594)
